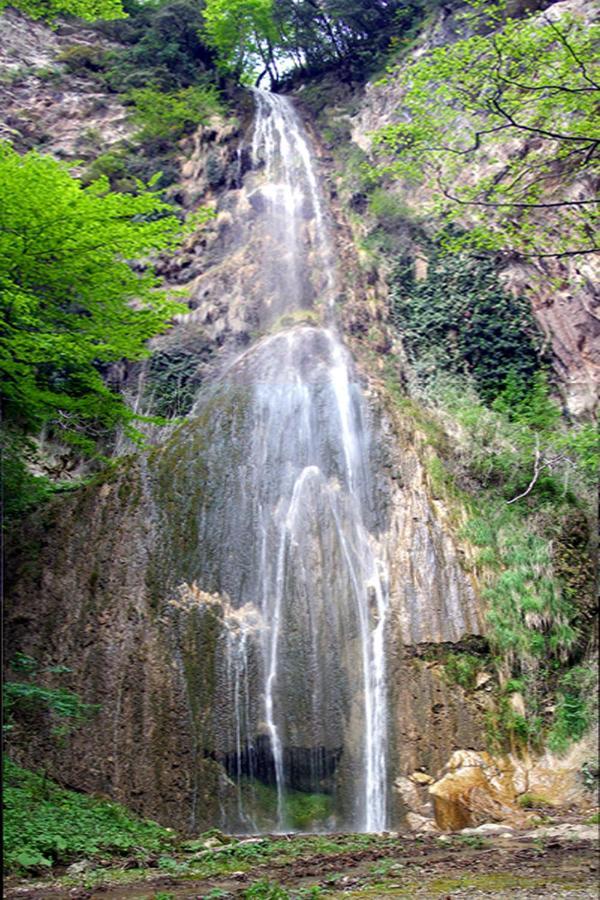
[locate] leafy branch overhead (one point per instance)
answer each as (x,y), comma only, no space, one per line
(255,38)
(70,302)
(504,127)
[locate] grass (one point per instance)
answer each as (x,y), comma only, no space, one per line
(472,840)
(532,801)
(188,861)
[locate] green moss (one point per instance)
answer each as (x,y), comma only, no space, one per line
(500,882)
(298,317)
(305,811)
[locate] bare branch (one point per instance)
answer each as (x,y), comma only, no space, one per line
(570,50)
(562,255)
(537,467)
(516,204)
(541,131)
(559,88)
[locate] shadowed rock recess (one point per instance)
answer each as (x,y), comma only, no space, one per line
(247,600)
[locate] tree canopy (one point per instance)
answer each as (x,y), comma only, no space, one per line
(505,125)
(244,34)
(255,37)
(83,9)
(70,303)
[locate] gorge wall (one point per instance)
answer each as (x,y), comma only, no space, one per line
(166,583)
(145,581)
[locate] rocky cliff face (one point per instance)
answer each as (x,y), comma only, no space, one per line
(126,581)
(46,106)
(118,581)
(562,291)
(111,582)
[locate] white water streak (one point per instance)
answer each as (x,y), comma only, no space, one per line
(288,397)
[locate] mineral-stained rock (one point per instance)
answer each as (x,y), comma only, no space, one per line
(414,796)
(421,778)
(421,823)
(475,789)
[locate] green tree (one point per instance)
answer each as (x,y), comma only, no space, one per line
(83,9)
(159,46)
(70,302)
(244,34)
(465,104)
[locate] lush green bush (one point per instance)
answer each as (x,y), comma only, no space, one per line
(166,116)
(521,447)
(130,167)
(460,319)
(82,58)
(45,825)
(462,669)
(576,706)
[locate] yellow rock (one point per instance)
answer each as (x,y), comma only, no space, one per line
(421,778)
(475,789)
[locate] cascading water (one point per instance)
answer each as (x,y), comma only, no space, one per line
(289,535)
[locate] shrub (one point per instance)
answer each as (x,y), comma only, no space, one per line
(388,209)
(164,49)
(167,116)
(21,490)
(45,825)
(462,669)
(574,709)
(265,890)
(462,318)
(82,58)
(532,801)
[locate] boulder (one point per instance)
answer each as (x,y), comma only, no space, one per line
(475,790)
(490,829)
(421,778)
(421,823)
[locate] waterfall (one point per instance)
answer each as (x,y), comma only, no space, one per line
(290,538)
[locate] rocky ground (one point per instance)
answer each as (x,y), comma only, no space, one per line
(551,861)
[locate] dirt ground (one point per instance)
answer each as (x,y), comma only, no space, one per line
(429,866)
